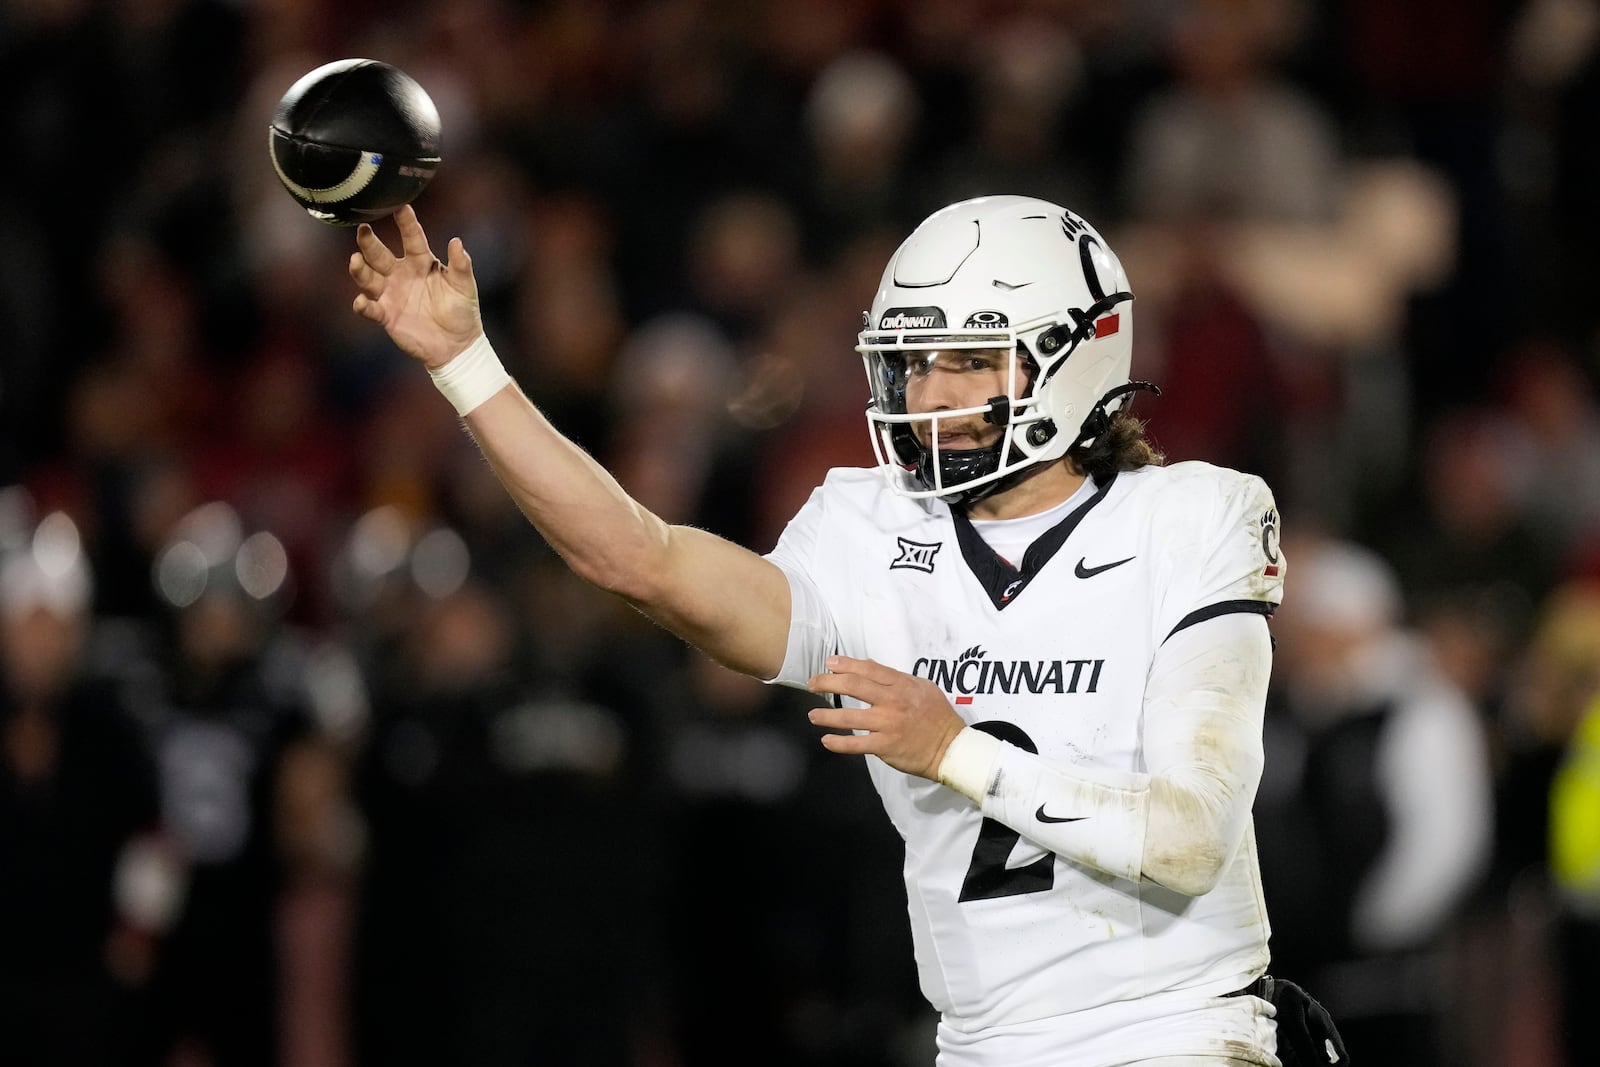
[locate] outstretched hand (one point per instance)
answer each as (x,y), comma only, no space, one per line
(910,721)
(429,308)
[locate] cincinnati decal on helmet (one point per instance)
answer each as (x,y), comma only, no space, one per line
(925,318)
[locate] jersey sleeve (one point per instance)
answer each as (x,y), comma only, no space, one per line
(1181,823)
(1229,560)
(813,633)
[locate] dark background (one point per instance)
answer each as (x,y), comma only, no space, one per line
(482,816)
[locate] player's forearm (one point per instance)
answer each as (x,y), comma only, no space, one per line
(1178,826)
(1094,816)
(1178,831)
(677,575)
(604,535)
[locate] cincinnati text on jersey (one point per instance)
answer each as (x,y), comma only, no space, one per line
(972,673)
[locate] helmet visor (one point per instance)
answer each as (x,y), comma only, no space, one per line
(894,357)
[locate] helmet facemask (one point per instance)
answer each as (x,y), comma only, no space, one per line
(1030,433)
(891,362)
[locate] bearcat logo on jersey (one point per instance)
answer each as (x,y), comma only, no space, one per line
(1269,541)
(972,673)
(928,318)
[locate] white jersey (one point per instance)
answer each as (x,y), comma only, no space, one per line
(1051,656)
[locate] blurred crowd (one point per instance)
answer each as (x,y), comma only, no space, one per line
(312,753)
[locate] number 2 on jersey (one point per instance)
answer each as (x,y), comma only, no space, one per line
(988,876)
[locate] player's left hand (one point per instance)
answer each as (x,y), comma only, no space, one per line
(910,722)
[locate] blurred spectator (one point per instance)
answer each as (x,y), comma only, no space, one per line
(1549,96)
(89,887)
(1532,972)
(738,765)
(284,465)
(1424,79)
(861,121)
(1224,394)
(1575,868)
(508,908)
(228,700)
(1228,149)
(1558,675)
(743,261)
(817,396)
(701,122)
(1464,528)
(1376,812)
(744,768)
(1551,402)
(1031,134)
(1231,139)
(569,324)
(676,447)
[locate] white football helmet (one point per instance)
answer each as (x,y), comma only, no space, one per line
(999,272)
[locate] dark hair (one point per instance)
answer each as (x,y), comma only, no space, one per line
(1121,446)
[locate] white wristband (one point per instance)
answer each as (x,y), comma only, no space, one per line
(969,763)
(472,377)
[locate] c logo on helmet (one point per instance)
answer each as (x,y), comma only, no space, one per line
(1091,275)
(987,320)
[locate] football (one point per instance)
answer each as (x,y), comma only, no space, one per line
(354,140)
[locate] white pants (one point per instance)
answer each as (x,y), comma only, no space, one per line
(1169,1031)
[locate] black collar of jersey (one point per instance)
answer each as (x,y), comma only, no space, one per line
(1003,582)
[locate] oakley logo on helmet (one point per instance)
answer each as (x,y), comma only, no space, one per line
(912,319)
(987,320)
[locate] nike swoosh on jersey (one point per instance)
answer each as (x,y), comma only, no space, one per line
(1042,817)
(1089,572)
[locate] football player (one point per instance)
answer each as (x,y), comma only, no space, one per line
(1052,649)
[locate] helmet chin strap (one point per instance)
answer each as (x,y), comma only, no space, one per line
(1099,417)
(1007,481)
